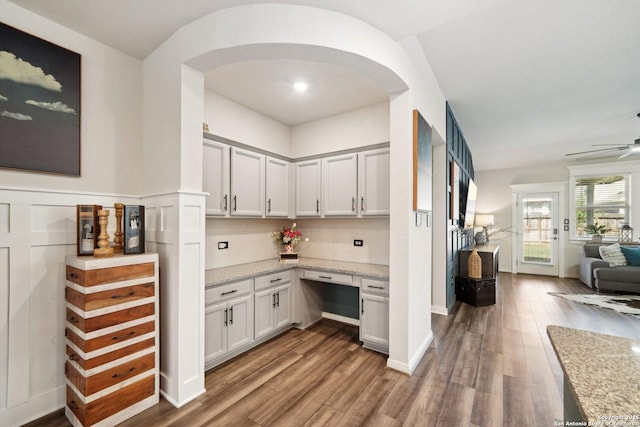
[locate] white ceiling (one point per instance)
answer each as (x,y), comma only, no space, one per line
(528,81)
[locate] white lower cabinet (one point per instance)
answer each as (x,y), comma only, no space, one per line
(228,321)
(374,315)
(272,300)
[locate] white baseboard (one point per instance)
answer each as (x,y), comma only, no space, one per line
(436,309)
(343,319)
(409,368)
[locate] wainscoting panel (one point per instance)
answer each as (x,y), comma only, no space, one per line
(37,231)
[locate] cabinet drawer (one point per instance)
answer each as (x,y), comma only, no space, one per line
(230,290)
(272,280)
(96,300)
(94,383)
(373,286)
(109,339)
(100,276)
(99,322)
(93,412)
(109,357)
(320,276)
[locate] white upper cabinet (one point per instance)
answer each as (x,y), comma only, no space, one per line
(308,185)
(373,177)
(277,195)
(247,183)
(340,185)
(215,172)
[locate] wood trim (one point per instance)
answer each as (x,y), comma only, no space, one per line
(108,357)
(101,276)
(99,322)
(96,300)
(119,336)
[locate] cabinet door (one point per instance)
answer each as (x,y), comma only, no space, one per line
(283,306)
(374,319)
(308,184)
(247,183)
(340,185)
(277,177)
(265,302)
(373,177)
(215,177)
(240,325)
(215,340)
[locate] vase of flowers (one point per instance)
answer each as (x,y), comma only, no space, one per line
(288,237)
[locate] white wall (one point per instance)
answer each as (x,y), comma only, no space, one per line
(330,238)
(352,129)
(111,115)
(231,120)
(37,219)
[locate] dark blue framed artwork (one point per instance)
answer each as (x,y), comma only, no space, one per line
(39,104)
(422,164)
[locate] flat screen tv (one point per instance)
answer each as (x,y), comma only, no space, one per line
(470,204)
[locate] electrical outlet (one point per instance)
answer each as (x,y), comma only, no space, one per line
(358,243)
(223,245)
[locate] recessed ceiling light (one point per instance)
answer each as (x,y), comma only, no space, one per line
(300,86)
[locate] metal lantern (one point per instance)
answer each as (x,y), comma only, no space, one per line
(625,233)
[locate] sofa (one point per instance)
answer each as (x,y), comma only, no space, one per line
(597,274)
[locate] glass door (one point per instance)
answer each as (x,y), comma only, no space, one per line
(538,233)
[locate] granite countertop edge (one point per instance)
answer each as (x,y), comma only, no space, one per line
(222,275)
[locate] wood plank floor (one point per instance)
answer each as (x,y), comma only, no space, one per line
(487,366)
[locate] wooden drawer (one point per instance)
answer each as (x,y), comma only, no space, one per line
(109,339)
(321,276)
(94,383)
(271,280)
(373,286)
(109,357)
(101,276)
(96,300)
(93,412)
(100,322)
(230,290)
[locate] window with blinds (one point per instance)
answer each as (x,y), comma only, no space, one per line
(601,200)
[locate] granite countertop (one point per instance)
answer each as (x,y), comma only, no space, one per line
(218,276)
(603,373)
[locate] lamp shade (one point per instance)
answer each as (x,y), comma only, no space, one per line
(483,220)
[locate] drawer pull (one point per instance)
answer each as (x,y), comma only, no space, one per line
(229,292)
(73,276)
(375,287)
(73,405)
(325,277)
(275,280)
(130,294)
(123,336)
(125,374)
(72,319)
(73,357)
(362,299)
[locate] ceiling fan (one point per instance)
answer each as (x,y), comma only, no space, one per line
(627,149)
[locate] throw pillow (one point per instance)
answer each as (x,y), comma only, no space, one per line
(613,255)
(631,254)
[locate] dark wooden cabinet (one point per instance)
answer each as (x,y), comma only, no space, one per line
(482,291)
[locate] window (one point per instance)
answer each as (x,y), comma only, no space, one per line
(601,200)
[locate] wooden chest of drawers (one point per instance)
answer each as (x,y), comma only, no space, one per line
(111,340)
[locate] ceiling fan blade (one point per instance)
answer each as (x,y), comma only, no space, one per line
(627,154)
(593,151)
(604,145)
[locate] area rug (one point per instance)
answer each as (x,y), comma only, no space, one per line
(628,304)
